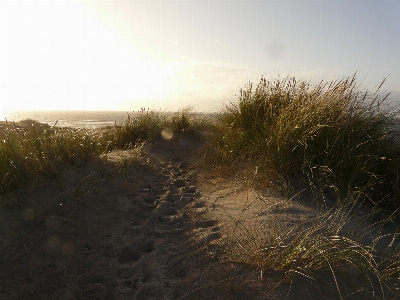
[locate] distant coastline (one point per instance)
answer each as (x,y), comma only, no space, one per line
(81,119)
(77,119)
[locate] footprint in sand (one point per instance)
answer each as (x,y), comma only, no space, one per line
(128,254)
(165,207)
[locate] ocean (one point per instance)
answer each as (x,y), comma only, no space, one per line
(76,119)
(81,119)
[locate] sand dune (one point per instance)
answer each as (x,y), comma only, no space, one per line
(150,225)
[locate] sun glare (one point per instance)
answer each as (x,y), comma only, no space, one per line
(81,65)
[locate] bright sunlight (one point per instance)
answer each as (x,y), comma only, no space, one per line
(80,65)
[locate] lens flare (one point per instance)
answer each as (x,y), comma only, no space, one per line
(167,134)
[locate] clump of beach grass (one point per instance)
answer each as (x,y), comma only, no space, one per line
(339,251)
(333,136)
(149,125)
(30,150)
(339,141)
(145,125)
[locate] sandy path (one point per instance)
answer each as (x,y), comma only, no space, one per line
(153,228)
(120,230)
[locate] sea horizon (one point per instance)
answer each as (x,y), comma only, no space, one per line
(70,118)
(75,118)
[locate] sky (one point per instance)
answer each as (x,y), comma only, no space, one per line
(124,55)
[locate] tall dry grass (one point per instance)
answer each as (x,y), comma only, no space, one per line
(333,136)
(339,141)
(30,150)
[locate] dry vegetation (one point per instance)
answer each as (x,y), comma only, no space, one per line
(334,138)
(340,143)
(32,150)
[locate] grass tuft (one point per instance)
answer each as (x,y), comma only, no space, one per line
(341,143)
(332,136)
(30,150)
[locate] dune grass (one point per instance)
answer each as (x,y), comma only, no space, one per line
(149,125)
(332,136)
(340,251)
(30,150)
(335,138)
(339,141)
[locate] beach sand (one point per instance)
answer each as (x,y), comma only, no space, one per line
(149,225)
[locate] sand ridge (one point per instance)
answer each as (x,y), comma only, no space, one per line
(139,225)
(119,230)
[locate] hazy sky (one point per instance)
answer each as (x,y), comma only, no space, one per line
(123,55)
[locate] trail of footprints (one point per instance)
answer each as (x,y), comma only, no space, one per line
(161,218)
